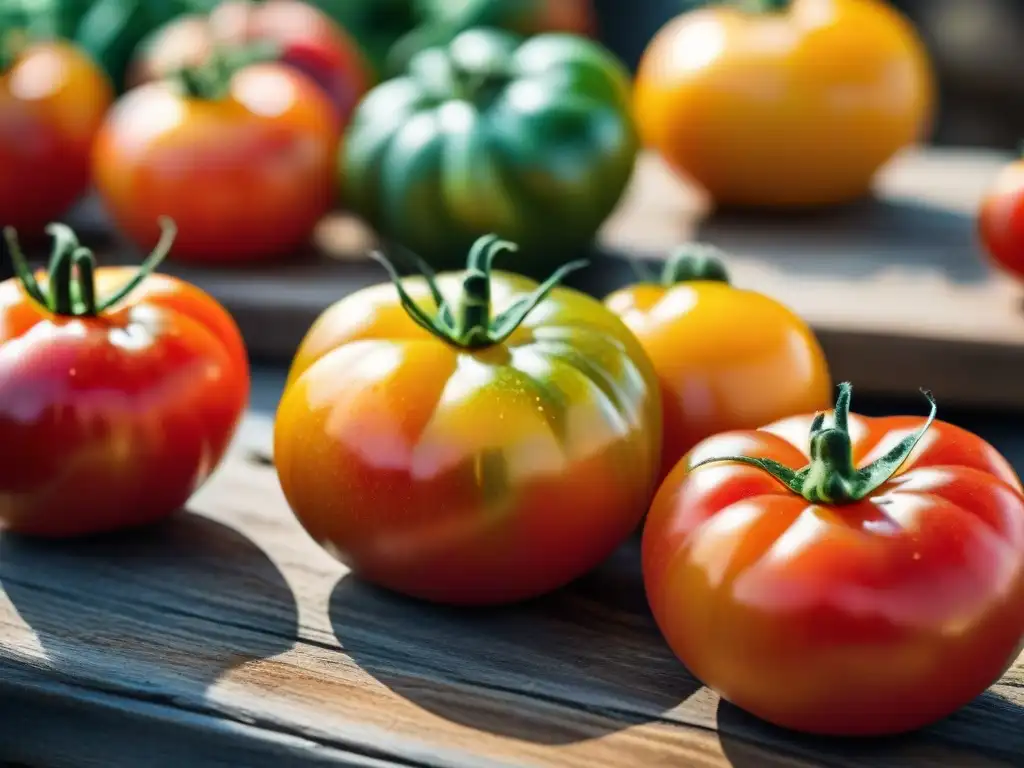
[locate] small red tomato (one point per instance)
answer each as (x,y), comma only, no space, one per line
(119,394)
(866,581)
(52,101)
(243,161)
(303,36)
(1001,219)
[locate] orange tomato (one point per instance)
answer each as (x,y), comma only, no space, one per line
(840,574)
(245,167)
(52,101)
(726,358)
(784,102)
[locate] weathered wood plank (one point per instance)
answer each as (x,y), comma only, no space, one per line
(227,637)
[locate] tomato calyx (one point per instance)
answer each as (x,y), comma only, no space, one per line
(688,263)
(469,323)
(831,477)
(71,278)
(211,80)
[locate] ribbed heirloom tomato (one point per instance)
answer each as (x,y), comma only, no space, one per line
(241,157)
(840,574)
(52,101)
(119,393)
(726,358)
(784,102)
(472,439)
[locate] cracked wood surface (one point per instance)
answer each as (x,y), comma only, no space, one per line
(225,636)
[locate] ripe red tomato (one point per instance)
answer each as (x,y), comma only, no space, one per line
(244,164)
(305,38)
(875,590)
(52,101)
(1001,219)
(489,459)
(112,410)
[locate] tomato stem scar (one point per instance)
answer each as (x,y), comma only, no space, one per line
(831,476)
(468,322)
(71,278)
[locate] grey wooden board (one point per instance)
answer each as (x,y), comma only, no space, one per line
(225,636)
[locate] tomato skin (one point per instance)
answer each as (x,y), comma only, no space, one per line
(1001,219)
(114,421)
(843,620)
(52,101)
(469,477)
(726,358)
(307,39)
(246,178)
(797,107)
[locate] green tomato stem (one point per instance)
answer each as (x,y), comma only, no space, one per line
(471,325)
(831,476)
(695,262)
(211,80)
(71,281)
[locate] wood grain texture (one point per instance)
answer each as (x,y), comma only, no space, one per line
(896,287)
(226,637)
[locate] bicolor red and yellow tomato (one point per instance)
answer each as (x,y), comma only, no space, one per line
(839,574)
(478,440)
(299,35)
(781,103)
(726,358)
(114,406)
(243,163)
(52,102)
(1001,219)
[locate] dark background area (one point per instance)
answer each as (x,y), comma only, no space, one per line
(975,47)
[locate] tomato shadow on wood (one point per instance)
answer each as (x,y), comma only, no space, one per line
(580,663)
(162,611)
(987,733)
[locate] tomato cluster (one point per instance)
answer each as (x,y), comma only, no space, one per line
(477,437)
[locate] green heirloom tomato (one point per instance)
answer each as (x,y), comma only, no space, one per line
(532,140)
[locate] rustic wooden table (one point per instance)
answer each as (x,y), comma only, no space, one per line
(225,637)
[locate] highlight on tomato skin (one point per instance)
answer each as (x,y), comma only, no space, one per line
(120,391)
(828,573)
(472,438)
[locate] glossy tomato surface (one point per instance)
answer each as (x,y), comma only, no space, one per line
(726,358)
(305,38)
(246,177)
(873,617)
(469,476)
(113,421)
(798,106)
(1001,219)
(52,101)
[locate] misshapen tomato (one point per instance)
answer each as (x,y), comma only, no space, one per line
(486,451)
(784,102)
(867,581)
(114,406)
(1001,219)
(244,163)
(726,358)
(52,101)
